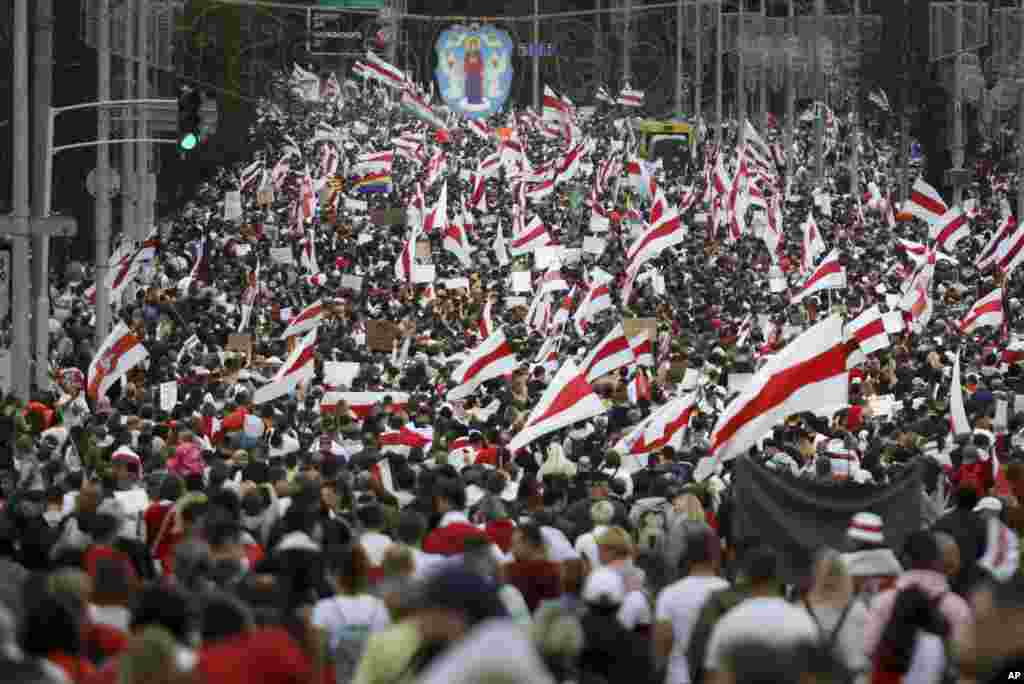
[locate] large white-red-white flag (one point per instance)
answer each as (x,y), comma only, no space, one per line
(491,359)
(664,427)
(950,229)
(643,348)
(609,355)
(298,368)
(668,232)
(597,299)
(567,400)
(813,244)
(987,311)
(868,331)
(119,353)
(361,404)
(926,203)
(807,375)
(829,275)
(534,234)
(456,241)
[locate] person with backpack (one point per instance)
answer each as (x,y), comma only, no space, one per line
(911,649)
(352,614)
(923,558)
(840,617)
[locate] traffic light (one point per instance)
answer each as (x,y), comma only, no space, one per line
(189,121)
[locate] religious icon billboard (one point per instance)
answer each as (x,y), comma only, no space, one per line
(474,69)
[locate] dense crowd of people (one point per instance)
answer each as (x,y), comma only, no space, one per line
(178,519)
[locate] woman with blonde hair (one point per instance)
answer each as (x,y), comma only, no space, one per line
(841,619)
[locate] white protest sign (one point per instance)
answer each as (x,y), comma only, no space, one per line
(282,255)
(424,273)
(356,205)
(658,283)
(892,301)
(571,255)
(489,220)
(168,396)
(543,256)
(351,282)
(457,283)
(522,281)
(232,205)
(340,373)
(594,245)
(364,238)
(512,302)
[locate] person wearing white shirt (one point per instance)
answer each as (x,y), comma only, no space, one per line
(411,529)
(376,543)
(601,513)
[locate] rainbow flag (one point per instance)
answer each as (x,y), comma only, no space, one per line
(373,182)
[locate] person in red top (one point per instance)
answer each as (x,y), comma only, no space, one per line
(448,539)
(171,489)
(537,578)
(104,528)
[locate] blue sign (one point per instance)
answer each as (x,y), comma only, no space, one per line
(474,69)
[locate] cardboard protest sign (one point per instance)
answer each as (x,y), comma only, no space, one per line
(232,205)
(423,250)
(381,335)
(240,342)
(282,255)
(594,245)
(168,396)
(352,282)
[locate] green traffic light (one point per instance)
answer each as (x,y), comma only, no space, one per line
(189,141)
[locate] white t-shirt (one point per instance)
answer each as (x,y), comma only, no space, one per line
(586,545)
(635,610)
(680,604)
(425,563)
(376,544)
(769,620)
(341,616)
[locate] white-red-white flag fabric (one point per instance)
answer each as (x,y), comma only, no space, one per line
(568,399)
(664,427)
(868,331)
(609,355)
(308,319)
(486,324)
(534,235)
(926,203)
(809,374)
(491,359)
(950,229)
(456,241)
(298,368)
(361,404)
(829,275)
(639,388)
(383,71)
(667,233)
(986,312)
(813,244)
(958,415)
(119,353)
(643,348)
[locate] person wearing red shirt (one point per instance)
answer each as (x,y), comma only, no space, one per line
(448,539)
(537,578)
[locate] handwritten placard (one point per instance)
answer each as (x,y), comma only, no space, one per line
(232,205)
(352,282)
(282,255)
(424,273)
(168,396)
(457,283)
(594,245)
(521,281)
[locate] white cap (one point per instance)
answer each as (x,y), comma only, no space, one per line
(604,585)
(989,503)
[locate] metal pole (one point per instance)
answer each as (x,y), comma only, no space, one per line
(627,44)
(598,43)
(679,58)
(819,84)
(904,105)
(698,60)
(20,281)
(719,66)
(129,177)
(855,110)
(958,109)
(1020,117)
(741,77)
(764,67)
(144,205)
(790,117)
(102,206)
(536,56)
(42,93)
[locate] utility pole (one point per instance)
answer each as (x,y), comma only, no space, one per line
(42,95)
(147,180)
(536,57)
(102,172)
(764,67)
(698,76)
(819,84)
(741,76)
(20,282)
(129,180)
(627,44)
(790,116)
(598,42)
(719,66)
(855,109)
(958,109)
(904,106)
(679,58)
(1020,115)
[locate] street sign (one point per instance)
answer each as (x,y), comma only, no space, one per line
(113,184)
(333,34)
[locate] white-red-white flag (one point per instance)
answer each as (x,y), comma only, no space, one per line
(926,203)
(809,374)
(298,368)
(668,232)
(361,404)
(639,388)
(868,331)
(381,70)
(597,299)
(486,324)
(643,348)
(989,254)
(568,399)
(609,355)
(456,241)
(664,427)
(829,275)
(436,165)
(478,197)
(950,229)
(813,244)
(987,311)
(119,353)
(491,359)
(534,235)
(308,319)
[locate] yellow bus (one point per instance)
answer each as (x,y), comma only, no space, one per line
(668,140)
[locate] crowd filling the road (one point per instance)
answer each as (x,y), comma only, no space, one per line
(411,398)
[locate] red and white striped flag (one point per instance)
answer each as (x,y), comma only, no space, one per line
(814,245)
(541,190)
(407,437)
(250,176)
(639,388)
(486,324)
(435,167)
(807,375)
(667,233)
(534,235)
(361,403)
(119,353)
(950,229)
(552,280)
(380,70)
(298,368)
(478,197)
(406,261)
(1011,251)
(643,348)
(308,197)
(597,299)
(489,165)
(829,275)
(481,129)
(664,427)
(987,311)
(570,163)
(926,203)
(568,399)
(249,295)
(309,318)
(631,98)
(988,255)
(609,355)
(555,108)
(491,359)
(437,217)
(868,331)
(457,242)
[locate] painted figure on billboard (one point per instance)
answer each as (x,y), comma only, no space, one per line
(474,69)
